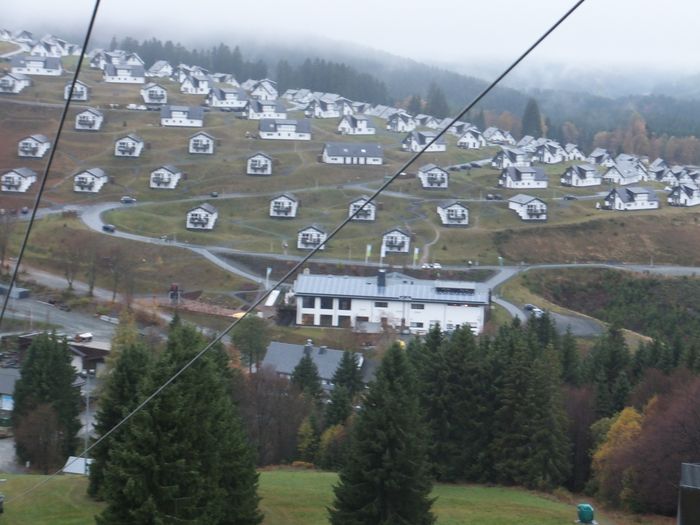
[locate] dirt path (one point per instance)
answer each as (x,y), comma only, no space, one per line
(426,248)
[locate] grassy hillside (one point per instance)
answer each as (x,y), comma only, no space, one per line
(301,497)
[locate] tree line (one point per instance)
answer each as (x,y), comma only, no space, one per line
(523,407)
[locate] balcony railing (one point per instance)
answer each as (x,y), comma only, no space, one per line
(159,180)
(199,221)
(310,241)
(393,244)
(536,213)
(6,85)
(196,146)
(282,209)
(28,149)
(126,149)
(436,181)
(456,217)
(84,184)
(154,95)
(11,184)
(259,168)
(86,122)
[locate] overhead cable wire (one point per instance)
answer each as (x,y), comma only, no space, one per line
(47,169)
(313,252)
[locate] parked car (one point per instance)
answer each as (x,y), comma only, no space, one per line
(529,307)
(569,198)
(214,194)
(109,228)
(437,266)
(126,199)
(537,312)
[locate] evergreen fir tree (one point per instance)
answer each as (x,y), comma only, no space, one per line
(436,103)
(620,392)
(339,408)
(548,463)
(250,337)
(121,393)
(46,377)
(570,362)
(532,119)
(184,457)
(480,120)
(305,377)
(308,439)
(387,481)
(603,397)
(348,374)
(415,105)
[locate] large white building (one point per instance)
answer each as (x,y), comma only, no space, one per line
(124,74)
(367,210)
(14,83)
(261,109)
(523,177)
(153,93)
(35,65)
(528,208)
(453,213)
(18,180)
(130,145)
(631,198)
(284,206)
(356,125)
(201,144)
(201,217)
(390,299)
(581,175)
(165,177)
(81,91)
(227,98)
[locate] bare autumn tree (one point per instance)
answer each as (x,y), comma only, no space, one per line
(670,436)
(41,435)
(92,259)
(71,256)
(117,264)
(272,410)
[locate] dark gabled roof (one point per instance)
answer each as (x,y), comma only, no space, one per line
(23,172)
(95,172)
(259,153)
(38,137)
(169,167)
(397,229)
(521,198)
(132,136)
(516,172)
(94,111)
(449,203)
(257,105)
(205,206)
(630,193)
(423,137)
(193,112)
(290,196)
(136,71)
(353,149)
(49,62)
(152,85)
(202,133)
(313,227)
(270,124)
(284,357)
(431,166)
(363,198)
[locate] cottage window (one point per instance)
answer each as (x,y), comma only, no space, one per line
(416,325)
(417,306)
(326,303)
(381,304)
(308,302)
(344,303)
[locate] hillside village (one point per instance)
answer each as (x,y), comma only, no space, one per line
(167,156)
(175,133)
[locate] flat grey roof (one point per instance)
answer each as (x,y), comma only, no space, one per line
(398,287)
(284,357)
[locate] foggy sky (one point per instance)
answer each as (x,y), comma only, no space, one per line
(658,35)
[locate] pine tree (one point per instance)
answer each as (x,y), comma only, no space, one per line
(570,362)
(348,374)
(436,103)
(184,457)
(305,377)
(339,408)
(415,105)
(620,392)
(548,463)
(387,481)
(120,394)
(46,378)
(532,119)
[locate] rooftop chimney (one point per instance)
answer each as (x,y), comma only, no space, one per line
(308,347)
(381,279)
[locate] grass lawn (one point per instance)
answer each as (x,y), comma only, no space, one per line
(291,497)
